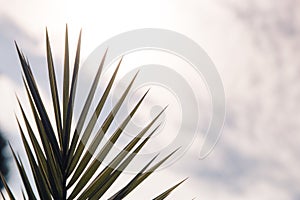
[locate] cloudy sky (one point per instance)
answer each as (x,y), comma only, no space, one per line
(255,46)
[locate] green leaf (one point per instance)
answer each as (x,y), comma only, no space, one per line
(10,194)
(38,151)
(60,155)
(117,160)
(101,189)
(23,176)
(39,104)
(66,80)
(23,194)
(53,86)
(103,152)
(39,179)
(83,115)
(138,179)
(167,192)
(89,127)
(52,166)
(69,115)
(2,195)
(99,136)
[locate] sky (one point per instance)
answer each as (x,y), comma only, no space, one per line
(255,46)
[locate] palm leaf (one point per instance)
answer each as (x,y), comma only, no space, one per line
(69,114)
(58,159)
(168,192)
(2,195)
(53,86)
(139,178)
(76,156)
(103,152)
(66,80)
(7,188)
(40,181)
(99,136)
(24,176)
(30,81)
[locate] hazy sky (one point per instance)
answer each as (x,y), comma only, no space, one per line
(255,46)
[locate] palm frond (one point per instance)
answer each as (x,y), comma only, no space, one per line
(168,192)
(61,163)
(7,188)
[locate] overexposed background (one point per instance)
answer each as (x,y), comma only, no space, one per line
(255,46)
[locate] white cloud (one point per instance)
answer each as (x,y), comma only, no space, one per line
(255,46)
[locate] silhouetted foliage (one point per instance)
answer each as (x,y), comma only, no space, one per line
(62,164)
(3,158)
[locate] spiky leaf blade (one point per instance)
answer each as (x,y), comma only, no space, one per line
(39,179)
(69,114)
(105,150)
(168,192)
(52,166)
(39,104)
(138,179)
(66,78)
(7,188)
(53,86)
(117,160)
(38,151)
(101,189)
(83,115)
(24,176)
